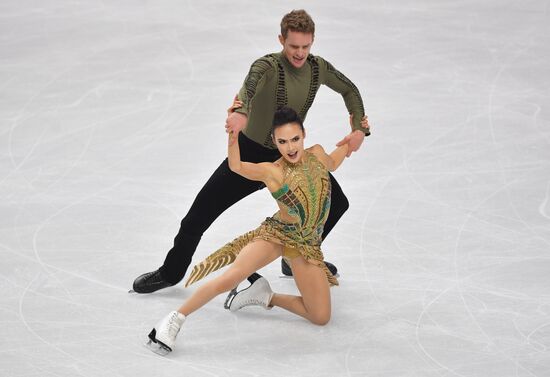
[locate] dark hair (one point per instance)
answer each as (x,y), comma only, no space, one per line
(285,115)
(297,20)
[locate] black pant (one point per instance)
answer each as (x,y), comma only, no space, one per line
(221,191)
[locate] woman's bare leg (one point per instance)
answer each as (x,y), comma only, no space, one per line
(252,257)
(314,304)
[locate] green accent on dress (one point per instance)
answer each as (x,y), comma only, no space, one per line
(305,194)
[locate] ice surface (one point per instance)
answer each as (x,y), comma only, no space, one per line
(111,119)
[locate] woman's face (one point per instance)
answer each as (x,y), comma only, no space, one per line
(289,139)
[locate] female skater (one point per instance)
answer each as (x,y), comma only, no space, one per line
(300,184)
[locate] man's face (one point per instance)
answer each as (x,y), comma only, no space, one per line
(296,47)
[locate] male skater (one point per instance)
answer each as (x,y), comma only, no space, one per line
(289,78)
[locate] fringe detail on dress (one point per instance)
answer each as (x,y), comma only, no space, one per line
(228,253)
(221,258)
(321,264)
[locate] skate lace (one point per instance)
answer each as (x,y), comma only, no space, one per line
(152,277)
(173,326)
(253,301)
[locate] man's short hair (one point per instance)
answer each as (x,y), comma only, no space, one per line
(297,20)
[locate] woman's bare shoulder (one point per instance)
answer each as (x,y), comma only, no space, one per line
(277,168)
(317,150)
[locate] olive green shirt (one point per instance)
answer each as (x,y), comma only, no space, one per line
(273,82)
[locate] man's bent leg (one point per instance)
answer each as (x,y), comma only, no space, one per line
(221,191)
(339,204)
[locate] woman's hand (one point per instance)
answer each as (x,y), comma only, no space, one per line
(364,122)
(234,106)
(355,138)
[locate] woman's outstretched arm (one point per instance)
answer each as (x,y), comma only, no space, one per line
(331,161)
(262,171)
(257,172)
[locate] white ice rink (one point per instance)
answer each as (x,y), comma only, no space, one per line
(112,117)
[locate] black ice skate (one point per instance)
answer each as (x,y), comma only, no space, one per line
(150,282)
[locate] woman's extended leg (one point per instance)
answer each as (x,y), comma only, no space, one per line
(252,257)
(314,304)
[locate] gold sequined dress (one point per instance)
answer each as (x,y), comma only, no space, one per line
(305,194)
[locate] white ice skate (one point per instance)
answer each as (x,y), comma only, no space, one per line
(258,293)
(163,336)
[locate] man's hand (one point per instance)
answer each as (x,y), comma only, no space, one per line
(355,138)
(354,141)
(235,122)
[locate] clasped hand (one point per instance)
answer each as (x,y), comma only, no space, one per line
(356,137)
(235,122)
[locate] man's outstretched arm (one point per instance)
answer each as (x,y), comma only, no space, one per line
(338,82)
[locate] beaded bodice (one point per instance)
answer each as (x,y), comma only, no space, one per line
(305,194)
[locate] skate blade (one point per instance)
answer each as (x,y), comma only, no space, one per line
(158,348)
(292,277)
(229,299)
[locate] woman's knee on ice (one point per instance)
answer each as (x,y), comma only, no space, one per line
(320,317)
